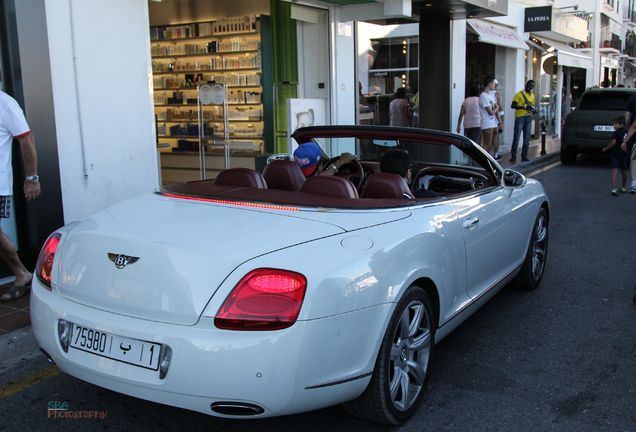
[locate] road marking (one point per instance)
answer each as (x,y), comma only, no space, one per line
(28,381)
(545,168)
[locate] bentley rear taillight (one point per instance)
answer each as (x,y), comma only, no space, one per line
(44,266)
(265,299)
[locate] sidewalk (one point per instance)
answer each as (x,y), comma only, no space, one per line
(16,337)
(552,148)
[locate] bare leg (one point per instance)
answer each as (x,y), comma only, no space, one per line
(9,256)
(614,173)
(624,174)
(495,151)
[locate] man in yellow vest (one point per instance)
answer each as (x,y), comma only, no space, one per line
(523,104)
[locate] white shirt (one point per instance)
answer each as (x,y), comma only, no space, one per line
(12,124)
(487,121)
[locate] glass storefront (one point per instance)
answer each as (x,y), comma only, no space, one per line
(388,59)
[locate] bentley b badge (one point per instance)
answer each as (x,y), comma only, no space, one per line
(122,261)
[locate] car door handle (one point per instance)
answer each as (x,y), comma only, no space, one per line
(470,223)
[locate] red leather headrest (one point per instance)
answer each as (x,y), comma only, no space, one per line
(241,177)
(330,185)
(386,185)
(283,175)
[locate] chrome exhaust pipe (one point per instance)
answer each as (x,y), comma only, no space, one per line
(236,409)
(48,357)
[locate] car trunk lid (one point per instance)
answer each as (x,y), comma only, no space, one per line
(163,259)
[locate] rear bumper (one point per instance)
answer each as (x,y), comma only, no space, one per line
(581,145)
(311,365)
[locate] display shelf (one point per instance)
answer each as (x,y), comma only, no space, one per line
(194,88)
(193,71)
(209,138)
(212,36)
(195,104)
(208,121)
(216,151)
(176,56)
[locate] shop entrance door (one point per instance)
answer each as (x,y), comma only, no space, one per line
(313,54)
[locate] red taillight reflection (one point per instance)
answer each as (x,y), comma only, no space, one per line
(265,299)
(44,266)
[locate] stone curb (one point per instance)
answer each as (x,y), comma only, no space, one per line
(17,343)
(537,162)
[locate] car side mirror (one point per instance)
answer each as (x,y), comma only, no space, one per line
(513,179)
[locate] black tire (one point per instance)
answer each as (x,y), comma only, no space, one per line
(568,157)
(404,356)
(534,265)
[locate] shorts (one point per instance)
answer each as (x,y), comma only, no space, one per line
(489,137)
(619,162)
(5,206)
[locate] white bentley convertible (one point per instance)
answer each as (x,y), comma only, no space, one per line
(257,295)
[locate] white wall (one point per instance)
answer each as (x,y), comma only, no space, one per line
(112,101)
(343,94)
(458,71)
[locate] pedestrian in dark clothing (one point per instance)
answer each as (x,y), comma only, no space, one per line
(619,157)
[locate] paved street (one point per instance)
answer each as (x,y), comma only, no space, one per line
(561,358)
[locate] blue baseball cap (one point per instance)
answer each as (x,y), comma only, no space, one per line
(307,156)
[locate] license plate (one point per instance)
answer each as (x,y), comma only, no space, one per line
(123,349)
(603,128)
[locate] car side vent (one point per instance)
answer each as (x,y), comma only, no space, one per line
(477,183)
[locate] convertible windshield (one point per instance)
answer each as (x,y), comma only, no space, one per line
(439,166)
(371,150)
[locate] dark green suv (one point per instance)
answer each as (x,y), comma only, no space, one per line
(588,128)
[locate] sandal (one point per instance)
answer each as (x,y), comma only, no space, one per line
(15,292)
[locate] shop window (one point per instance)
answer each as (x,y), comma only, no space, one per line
(388,59)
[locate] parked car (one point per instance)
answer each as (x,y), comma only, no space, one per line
(263,295)
(588,128)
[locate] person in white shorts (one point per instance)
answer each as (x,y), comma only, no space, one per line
(14,125)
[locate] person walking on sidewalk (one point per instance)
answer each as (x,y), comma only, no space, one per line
(497,95)
(619,156)
(523,104)
(489,114)
(14,125)
(471,115)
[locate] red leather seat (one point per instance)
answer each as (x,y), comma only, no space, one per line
(386,185)
(283,175)
(331,186)
(241,177)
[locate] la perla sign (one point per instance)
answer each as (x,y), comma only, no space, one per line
(538,19)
